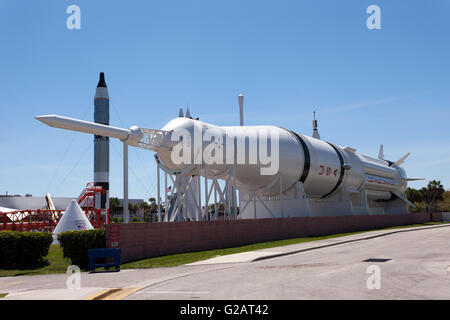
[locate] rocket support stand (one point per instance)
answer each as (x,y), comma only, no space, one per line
(126,213)
(184,201)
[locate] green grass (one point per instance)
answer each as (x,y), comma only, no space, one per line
(183,258)
(2,295)
(56,263)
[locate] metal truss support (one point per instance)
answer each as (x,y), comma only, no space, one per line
(255,198)
(183,201)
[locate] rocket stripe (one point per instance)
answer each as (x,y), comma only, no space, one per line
(341,176)
(307,163)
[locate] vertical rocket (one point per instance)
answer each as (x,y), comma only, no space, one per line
(315,131)
(101,144)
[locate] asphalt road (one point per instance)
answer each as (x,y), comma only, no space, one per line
(411,265)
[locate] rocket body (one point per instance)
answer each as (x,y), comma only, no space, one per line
(322,167)
(101,143)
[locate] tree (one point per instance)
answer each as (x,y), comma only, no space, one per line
(144,205)
(147,210)
(153,205)
(132,207)
(413,195)
(444,205)
(432,193)
(446,195)
(113,202)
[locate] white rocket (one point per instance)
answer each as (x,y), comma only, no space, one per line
(322,168)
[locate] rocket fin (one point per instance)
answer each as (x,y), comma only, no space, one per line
(349,149)
(402,159)
(380,153)
(402,197)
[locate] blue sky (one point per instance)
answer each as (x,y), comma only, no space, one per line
(288,58)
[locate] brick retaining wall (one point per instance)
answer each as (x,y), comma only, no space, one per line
(143,240)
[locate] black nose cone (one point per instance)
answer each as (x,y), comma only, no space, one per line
(101,82)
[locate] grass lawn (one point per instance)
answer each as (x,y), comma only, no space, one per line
(2,295)
(57,264)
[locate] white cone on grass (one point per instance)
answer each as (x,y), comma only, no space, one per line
(73,219)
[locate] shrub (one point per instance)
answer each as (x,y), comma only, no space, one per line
(20,249)
(76,244)
(115,219)
(135,219)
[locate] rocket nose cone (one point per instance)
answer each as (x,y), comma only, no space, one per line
(101,81)
(47,119)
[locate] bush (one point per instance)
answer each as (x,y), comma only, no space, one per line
(115,219)
(76,244)
(135,219)
(19,249)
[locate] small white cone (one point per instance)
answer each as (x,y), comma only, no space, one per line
(73,219)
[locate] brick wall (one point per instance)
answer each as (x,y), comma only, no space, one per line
(437,216)
(144,240)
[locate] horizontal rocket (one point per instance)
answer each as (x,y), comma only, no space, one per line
(88,127)
(322,167)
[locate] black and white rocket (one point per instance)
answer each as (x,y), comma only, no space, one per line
(101,144)
(315,131)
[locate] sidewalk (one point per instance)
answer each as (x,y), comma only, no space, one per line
(274,252)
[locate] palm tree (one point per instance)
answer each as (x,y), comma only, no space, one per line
(114,202)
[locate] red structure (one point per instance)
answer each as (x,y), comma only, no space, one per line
(46,220)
